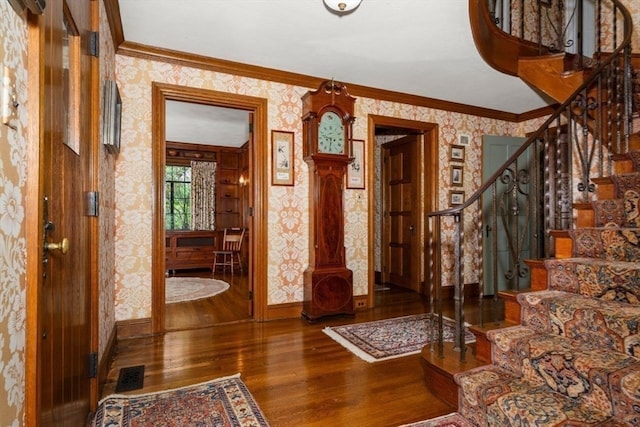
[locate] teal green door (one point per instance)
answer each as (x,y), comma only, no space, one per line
(506,216)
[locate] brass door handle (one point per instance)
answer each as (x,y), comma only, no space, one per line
(63,246)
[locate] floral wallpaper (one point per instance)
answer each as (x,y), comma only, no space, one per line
(125,209)
(287,206)
(106,185)
(13,174)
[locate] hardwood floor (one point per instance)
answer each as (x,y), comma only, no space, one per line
(229,306)
(297,374)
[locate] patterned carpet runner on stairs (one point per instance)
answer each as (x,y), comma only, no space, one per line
(575,357)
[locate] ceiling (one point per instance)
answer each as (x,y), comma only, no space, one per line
(417,47)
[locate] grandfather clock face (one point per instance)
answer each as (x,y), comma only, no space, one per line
(331,138)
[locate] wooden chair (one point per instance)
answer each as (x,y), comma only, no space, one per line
(229,255)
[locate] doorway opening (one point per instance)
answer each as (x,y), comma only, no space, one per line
(404,188)
(206,188)
(184,244)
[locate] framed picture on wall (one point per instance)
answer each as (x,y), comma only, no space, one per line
(281,157)
(355,170)
(464,139)
(457,177)
(457,153)
(111,117)
(456,198)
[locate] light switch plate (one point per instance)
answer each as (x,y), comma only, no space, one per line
(8,96)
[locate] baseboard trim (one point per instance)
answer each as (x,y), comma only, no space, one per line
(361,302)
(284,311)
(470,290)
(107,357)
(134,328)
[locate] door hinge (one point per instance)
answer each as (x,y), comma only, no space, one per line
(250,210)
(250,127)
(91,203)
(93,365)
(94,44)
(250,295)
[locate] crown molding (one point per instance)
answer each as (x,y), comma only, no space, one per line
(112,8)
(152,53)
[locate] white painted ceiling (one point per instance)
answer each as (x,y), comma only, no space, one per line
(418,47)
(205,124)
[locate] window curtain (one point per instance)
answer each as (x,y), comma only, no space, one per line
(203,195)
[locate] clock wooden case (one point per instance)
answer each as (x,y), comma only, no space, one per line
(327,128)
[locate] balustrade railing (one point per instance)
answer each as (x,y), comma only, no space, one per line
(535,191)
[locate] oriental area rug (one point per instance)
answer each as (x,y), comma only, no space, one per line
(181,289)
(221,402)
(450,420)
(391,338)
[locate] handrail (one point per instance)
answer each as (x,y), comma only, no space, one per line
(597,128)
(499,49)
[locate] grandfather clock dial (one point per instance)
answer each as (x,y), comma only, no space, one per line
(327,125)
(331,134)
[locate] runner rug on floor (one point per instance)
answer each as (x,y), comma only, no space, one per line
(396,337)
(220,402)
(180,289)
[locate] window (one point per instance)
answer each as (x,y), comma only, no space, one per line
(177,202)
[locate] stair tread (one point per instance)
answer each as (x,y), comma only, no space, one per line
(609,324)
(490,395)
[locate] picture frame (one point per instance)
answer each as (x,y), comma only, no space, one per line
(355,170)
(282,150)
(456,197)
(464,139)
(457,176)
(111,117)
(457,153)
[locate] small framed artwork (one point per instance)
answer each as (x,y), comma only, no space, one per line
(457,177)
(464,139)
(355,170)
(111,117)
(457,153)
(281,157)
(456,198)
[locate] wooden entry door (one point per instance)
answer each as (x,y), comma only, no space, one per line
(63,336)
(401,249)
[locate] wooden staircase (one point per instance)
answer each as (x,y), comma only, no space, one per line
(440,371)
(557,76)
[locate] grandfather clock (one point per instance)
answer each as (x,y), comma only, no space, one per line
(327,120)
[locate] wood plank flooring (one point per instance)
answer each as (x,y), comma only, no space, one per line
(296,373)
(229,306)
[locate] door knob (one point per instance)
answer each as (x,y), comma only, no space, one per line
(63,246)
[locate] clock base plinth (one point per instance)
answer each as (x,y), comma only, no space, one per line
(327,292)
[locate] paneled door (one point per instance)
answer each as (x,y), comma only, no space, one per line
(64,291)
(401,249)
(505,246)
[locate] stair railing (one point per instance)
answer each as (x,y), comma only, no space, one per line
(536,189)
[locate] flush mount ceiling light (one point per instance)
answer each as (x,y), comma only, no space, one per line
(342,6)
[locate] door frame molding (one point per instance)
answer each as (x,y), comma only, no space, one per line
(428,182)
(162,92)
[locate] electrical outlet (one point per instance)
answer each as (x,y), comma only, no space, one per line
(361,304)
(8,97)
